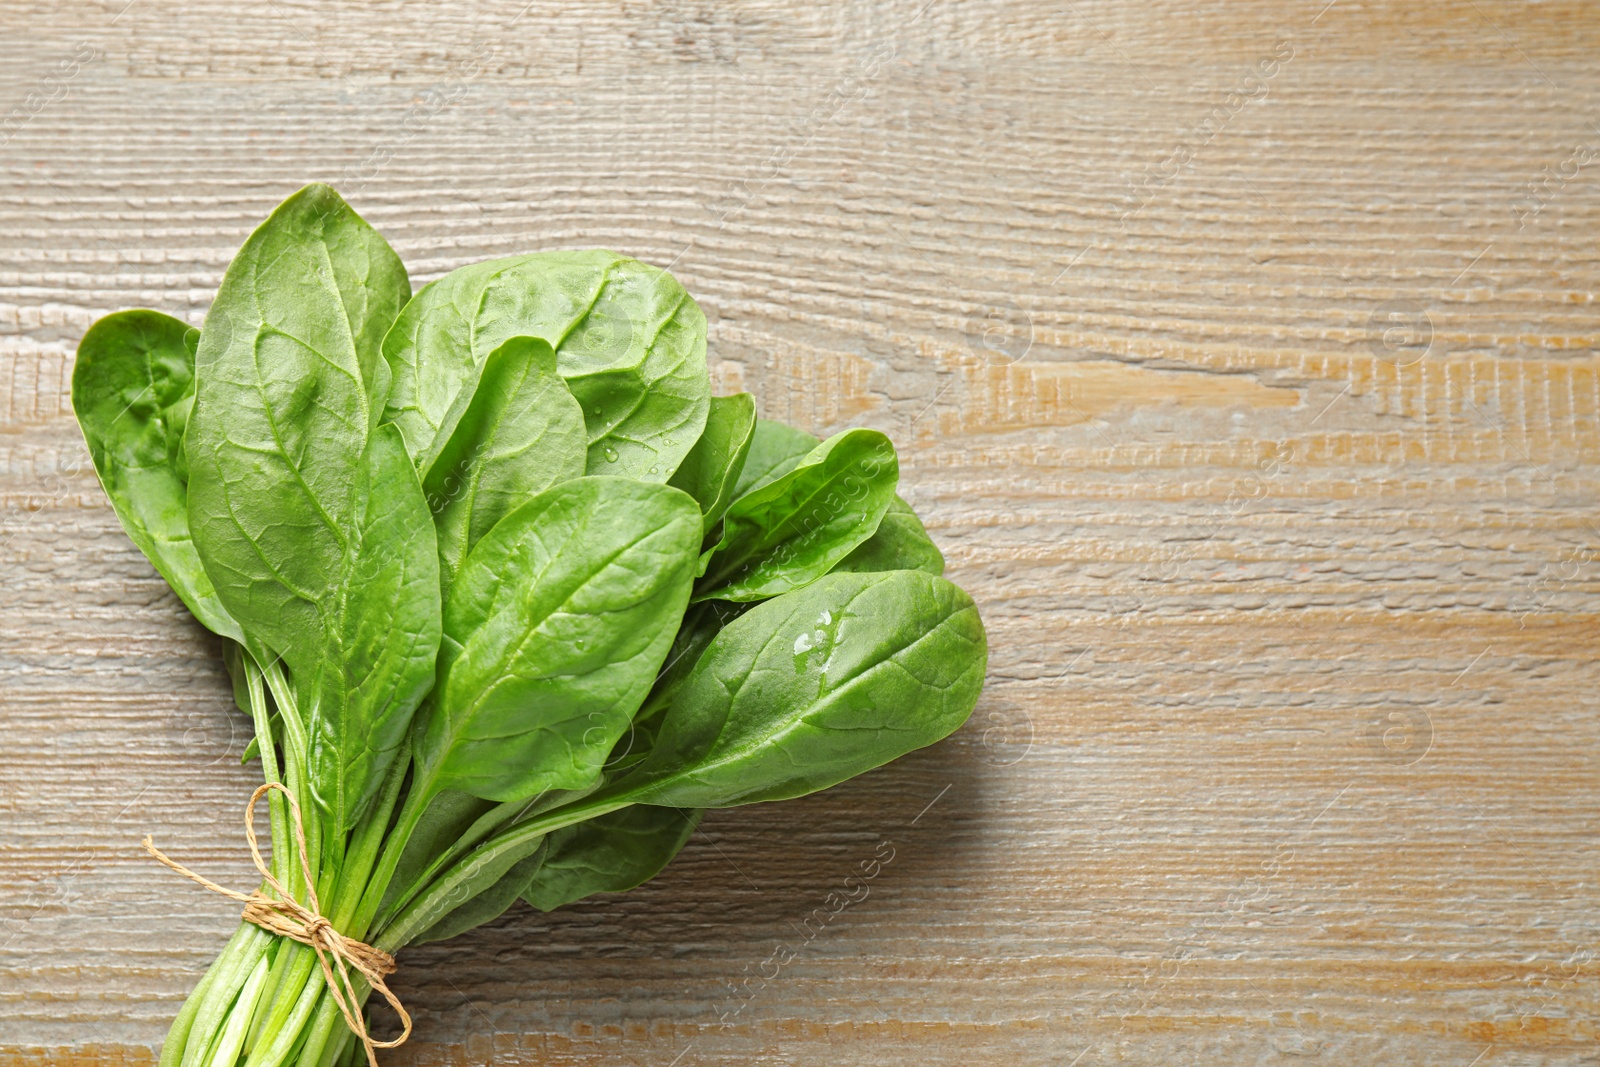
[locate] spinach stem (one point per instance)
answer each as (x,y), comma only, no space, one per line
(367,840)
(232,1036)
(241,959)
(172,1049)
(319,1049)
(484,825)
(289,1011)
(411,812)
(269,995)
(296,758)
(277,807)
(438,899)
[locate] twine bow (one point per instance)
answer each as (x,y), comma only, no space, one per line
(287,917)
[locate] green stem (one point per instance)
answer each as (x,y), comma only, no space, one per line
(178,1036)
(482,827)
(276,805)
(269,996)
(283,1031)
(290,971)
(411,812)
(437,900)
(296,758)
(322,1046)
(224,990)
(369,838)
(231,1038)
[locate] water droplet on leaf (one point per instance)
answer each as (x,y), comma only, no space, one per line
(611,455)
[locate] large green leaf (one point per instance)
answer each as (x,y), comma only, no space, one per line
(815,687)
(312,527)
(517,432)
(901,543)
(790,531)
(555,628)
(132,389)
(609,854)
(711,469)
(629,341)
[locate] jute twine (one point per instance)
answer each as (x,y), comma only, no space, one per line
(287,917)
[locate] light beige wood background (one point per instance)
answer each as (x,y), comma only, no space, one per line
(1263,431)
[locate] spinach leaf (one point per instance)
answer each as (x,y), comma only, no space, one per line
(901,543)
(312,527)
(609,854)
(629,341)
(712,468)
(132,389)
(775,450)
(518,431)
(814,687)
(788,532)
(381,620)
(555,628)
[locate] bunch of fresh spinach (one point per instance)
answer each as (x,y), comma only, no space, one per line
(508,594)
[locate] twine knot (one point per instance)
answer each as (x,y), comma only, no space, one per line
(317,932)
(305,923)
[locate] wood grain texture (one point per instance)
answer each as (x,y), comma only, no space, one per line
(1258,411)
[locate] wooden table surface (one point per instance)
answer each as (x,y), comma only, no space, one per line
(1243,359)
